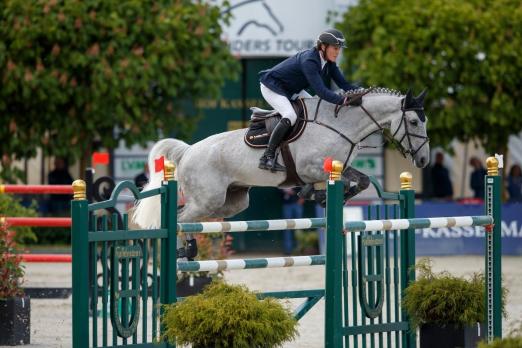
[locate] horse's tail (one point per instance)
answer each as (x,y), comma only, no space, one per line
(147,211)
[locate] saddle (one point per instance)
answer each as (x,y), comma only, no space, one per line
(263,122)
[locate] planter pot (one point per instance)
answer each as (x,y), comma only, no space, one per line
(15,315)
(186,287)
(450,336)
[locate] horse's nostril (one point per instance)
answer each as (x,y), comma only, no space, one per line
(423,161)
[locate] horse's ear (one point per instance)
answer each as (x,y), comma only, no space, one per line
(408,99)
(420,98)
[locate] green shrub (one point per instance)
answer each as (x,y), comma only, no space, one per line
(228,316)
(441,298)
(508,342)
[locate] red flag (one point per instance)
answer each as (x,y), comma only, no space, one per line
(327,165)
(100,158)
(159,164)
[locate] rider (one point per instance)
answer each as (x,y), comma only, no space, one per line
(288,79)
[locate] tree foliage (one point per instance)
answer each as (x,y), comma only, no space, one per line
(468,53)
(74,71)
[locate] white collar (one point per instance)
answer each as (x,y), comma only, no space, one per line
(323,61)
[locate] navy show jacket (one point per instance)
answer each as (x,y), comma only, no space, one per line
(301,71)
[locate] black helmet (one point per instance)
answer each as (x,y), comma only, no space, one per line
(332,37)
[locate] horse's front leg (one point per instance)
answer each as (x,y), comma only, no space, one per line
(361,180)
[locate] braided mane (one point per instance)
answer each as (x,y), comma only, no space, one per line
(375,90)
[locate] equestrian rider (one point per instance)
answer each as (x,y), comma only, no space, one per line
(288,79)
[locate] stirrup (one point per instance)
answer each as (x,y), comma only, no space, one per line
(275,167)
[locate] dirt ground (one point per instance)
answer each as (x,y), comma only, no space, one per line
(51,319)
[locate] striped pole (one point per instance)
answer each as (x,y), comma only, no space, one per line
(37,189)
(271,262)
(50,258)
(36,221)
(349,226)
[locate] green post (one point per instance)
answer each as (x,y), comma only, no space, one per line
(80,262)
(169,211)
(407,248)
(333,334)
(493,257)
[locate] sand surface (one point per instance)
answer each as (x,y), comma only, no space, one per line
(51,319)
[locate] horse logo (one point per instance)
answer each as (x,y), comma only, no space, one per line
(256,13)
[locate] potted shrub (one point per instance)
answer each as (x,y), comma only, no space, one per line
(449,310)
(211,246)
(228,316)
(14,306)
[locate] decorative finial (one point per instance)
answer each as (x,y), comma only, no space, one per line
(169,170)
(337,169)
(79,189)
(406,181)
(492,164)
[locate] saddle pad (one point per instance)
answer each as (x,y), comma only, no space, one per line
(259,131)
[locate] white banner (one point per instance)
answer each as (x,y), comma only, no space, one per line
(275,28)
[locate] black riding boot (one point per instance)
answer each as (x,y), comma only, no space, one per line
(267,161)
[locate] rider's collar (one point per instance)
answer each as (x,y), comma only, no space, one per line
(323,60)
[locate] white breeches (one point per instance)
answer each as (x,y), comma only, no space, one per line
(281,103)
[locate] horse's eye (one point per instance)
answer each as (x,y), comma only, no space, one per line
(414,123)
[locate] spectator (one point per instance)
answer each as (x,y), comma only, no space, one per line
(59,204)
(477,177)
(292,209)
(142,178)
(515,184)
(441,183)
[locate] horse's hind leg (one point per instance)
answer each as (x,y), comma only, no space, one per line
(236,201)
(198,207)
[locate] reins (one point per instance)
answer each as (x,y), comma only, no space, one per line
(390,138)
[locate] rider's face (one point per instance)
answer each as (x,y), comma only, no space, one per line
(332,52)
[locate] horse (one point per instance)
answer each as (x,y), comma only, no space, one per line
(216,173)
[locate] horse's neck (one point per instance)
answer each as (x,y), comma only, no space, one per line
(353,122)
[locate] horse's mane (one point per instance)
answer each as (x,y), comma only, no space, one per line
(375,91)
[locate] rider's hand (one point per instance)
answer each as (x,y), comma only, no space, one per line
(352,100)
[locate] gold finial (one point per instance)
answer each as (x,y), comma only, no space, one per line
(2,220)
(169,170)
(406,181)
(2,189)
(492,164)
(79,189)
(337,169)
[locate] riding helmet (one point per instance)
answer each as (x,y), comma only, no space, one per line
(332,37)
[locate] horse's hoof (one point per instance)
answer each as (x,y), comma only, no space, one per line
(320,197)
(191,250)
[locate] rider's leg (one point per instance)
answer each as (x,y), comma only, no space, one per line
(283,106)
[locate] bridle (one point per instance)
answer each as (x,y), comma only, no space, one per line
(398,143)
(391,138)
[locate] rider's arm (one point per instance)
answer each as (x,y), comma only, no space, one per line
(311,70)
(340,80)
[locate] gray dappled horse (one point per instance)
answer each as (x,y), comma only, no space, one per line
(216,173)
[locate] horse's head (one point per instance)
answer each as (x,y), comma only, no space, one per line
(409,129)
